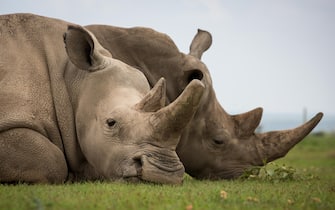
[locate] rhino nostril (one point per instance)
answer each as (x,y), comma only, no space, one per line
(138,165)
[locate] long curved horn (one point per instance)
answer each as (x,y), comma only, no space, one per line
(247,123)
(155,98)
(171,119)
(275,144)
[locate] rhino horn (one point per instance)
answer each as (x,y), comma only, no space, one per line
(247,123)
(200,43)
(275,144)
(155,98)
(171,119)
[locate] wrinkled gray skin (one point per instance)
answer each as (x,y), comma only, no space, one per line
(78,113)
(214,145)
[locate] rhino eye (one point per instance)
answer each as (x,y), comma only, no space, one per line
(218,141)
(111,122)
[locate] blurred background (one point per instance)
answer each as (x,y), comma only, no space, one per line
(279,55)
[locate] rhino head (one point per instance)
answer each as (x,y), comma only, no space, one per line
(124,129)
(228,144)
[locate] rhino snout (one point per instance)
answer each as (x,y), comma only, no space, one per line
(162,170)
(155,167)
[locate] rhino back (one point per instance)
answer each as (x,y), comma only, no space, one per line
(32,54)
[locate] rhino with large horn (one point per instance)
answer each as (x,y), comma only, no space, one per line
(215,144)
(80,113)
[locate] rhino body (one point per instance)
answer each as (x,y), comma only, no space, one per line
(215,144)
(80,114)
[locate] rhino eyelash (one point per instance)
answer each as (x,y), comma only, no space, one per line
(111,122)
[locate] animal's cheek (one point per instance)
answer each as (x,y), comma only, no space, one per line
(113,159)
(111,136)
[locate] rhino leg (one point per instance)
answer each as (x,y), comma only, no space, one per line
(28,156)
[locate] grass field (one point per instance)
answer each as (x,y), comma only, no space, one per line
(304,179)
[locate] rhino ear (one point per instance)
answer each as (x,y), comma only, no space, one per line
(84,50)
(190,75)
(154,99)
(201,42)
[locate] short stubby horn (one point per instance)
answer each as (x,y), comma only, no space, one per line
(276,144)
(155,98)
(171,119)
(247,123)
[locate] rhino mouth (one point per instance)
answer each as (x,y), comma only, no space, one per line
(157,168)
(231,173)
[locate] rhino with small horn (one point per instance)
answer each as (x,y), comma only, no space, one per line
(80,114)
(215,144)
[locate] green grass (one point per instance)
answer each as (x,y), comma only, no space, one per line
(311,186)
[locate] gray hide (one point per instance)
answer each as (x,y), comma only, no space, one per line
(214,145)
(80,114)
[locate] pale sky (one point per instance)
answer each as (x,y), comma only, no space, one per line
(279,55)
